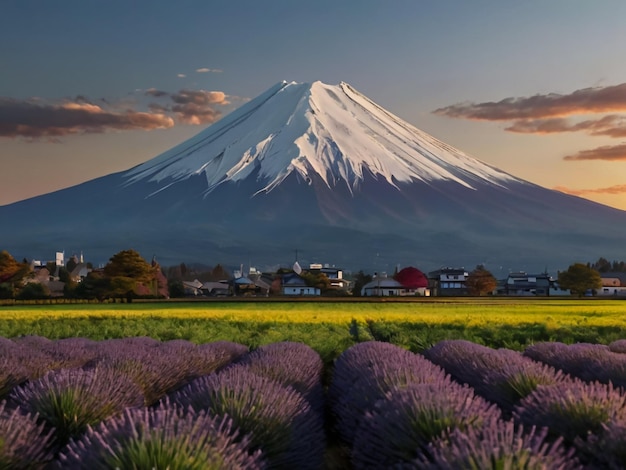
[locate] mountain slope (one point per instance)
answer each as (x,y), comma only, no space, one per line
(324,170)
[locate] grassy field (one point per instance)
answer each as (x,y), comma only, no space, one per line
(331,326)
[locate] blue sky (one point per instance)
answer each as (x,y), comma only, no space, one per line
(536,88)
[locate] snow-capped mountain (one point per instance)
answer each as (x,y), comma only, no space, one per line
(324,170)
(315,130)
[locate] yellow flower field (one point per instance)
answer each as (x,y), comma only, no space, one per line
(468,312)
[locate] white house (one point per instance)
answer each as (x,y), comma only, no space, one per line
(612,285)
(382,286)
(292,284)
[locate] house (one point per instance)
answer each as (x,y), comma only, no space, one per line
(192,287)
(250,286)
(80,272)
(293,284)
(216,289)
(334,275)
(448,282)
(613,284)
(523,284)
(382,286)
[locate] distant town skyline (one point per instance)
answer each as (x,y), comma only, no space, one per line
(537,89)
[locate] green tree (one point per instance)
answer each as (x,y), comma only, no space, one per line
(129,263)
(126,271)
(33,290)
(480,281)
(360,279)
(579,278)
(218,273)
(94,286)
(319,280)
(176,288)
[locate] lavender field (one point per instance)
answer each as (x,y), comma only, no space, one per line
(141,403)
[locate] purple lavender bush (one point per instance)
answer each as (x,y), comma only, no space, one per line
(618,346)
(500,445)
(588,362)
(502,376)
(364,374)
(608,447)
(402,424)
(12,374)
(71,399)
(291,364)
(572,410)
(278,419)
(23,441)
(165,437)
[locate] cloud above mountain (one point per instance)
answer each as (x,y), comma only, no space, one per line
(557,113)
(594,100)
(34,119)
(44,119)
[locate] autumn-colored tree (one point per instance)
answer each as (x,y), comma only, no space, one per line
(10,269)
(480,281)
(579,278)
(12,274)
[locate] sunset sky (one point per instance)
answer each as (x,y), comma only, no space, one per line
(535,88)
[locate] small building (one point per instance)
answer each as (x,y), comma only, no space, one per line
(80,272)
(192,288)
(448,282)
(522,284)
(613,285)
(292,284)
(334,275)
(382,286)
(216,289)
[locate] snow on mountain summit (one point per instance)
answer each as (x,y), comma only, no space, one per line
(314,129)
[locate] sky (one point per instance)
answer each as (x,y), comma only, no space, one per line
(93,87)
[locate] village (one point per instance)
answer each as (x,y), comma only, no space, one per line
(317,280)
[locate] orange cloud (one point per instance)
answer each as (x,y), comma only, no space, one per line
(191,106)
(612,125)
(618,189)
(585,101)
(606,152)
(35,119)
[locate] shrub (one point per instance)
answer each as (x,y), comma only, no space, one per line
(365,373)
(502,376)
(279,420)
(497,446)
(572,409)
(71,399)
(161,438)
(23,441)
(405,421)
(291,364)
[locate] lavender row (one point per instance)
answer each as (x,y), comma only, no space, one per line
(157,367)
(589,362)
(589,417)
(264,410)
(501,376)
(405,412)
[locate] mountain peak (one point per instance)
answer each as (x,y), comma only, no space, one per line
(314,130)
